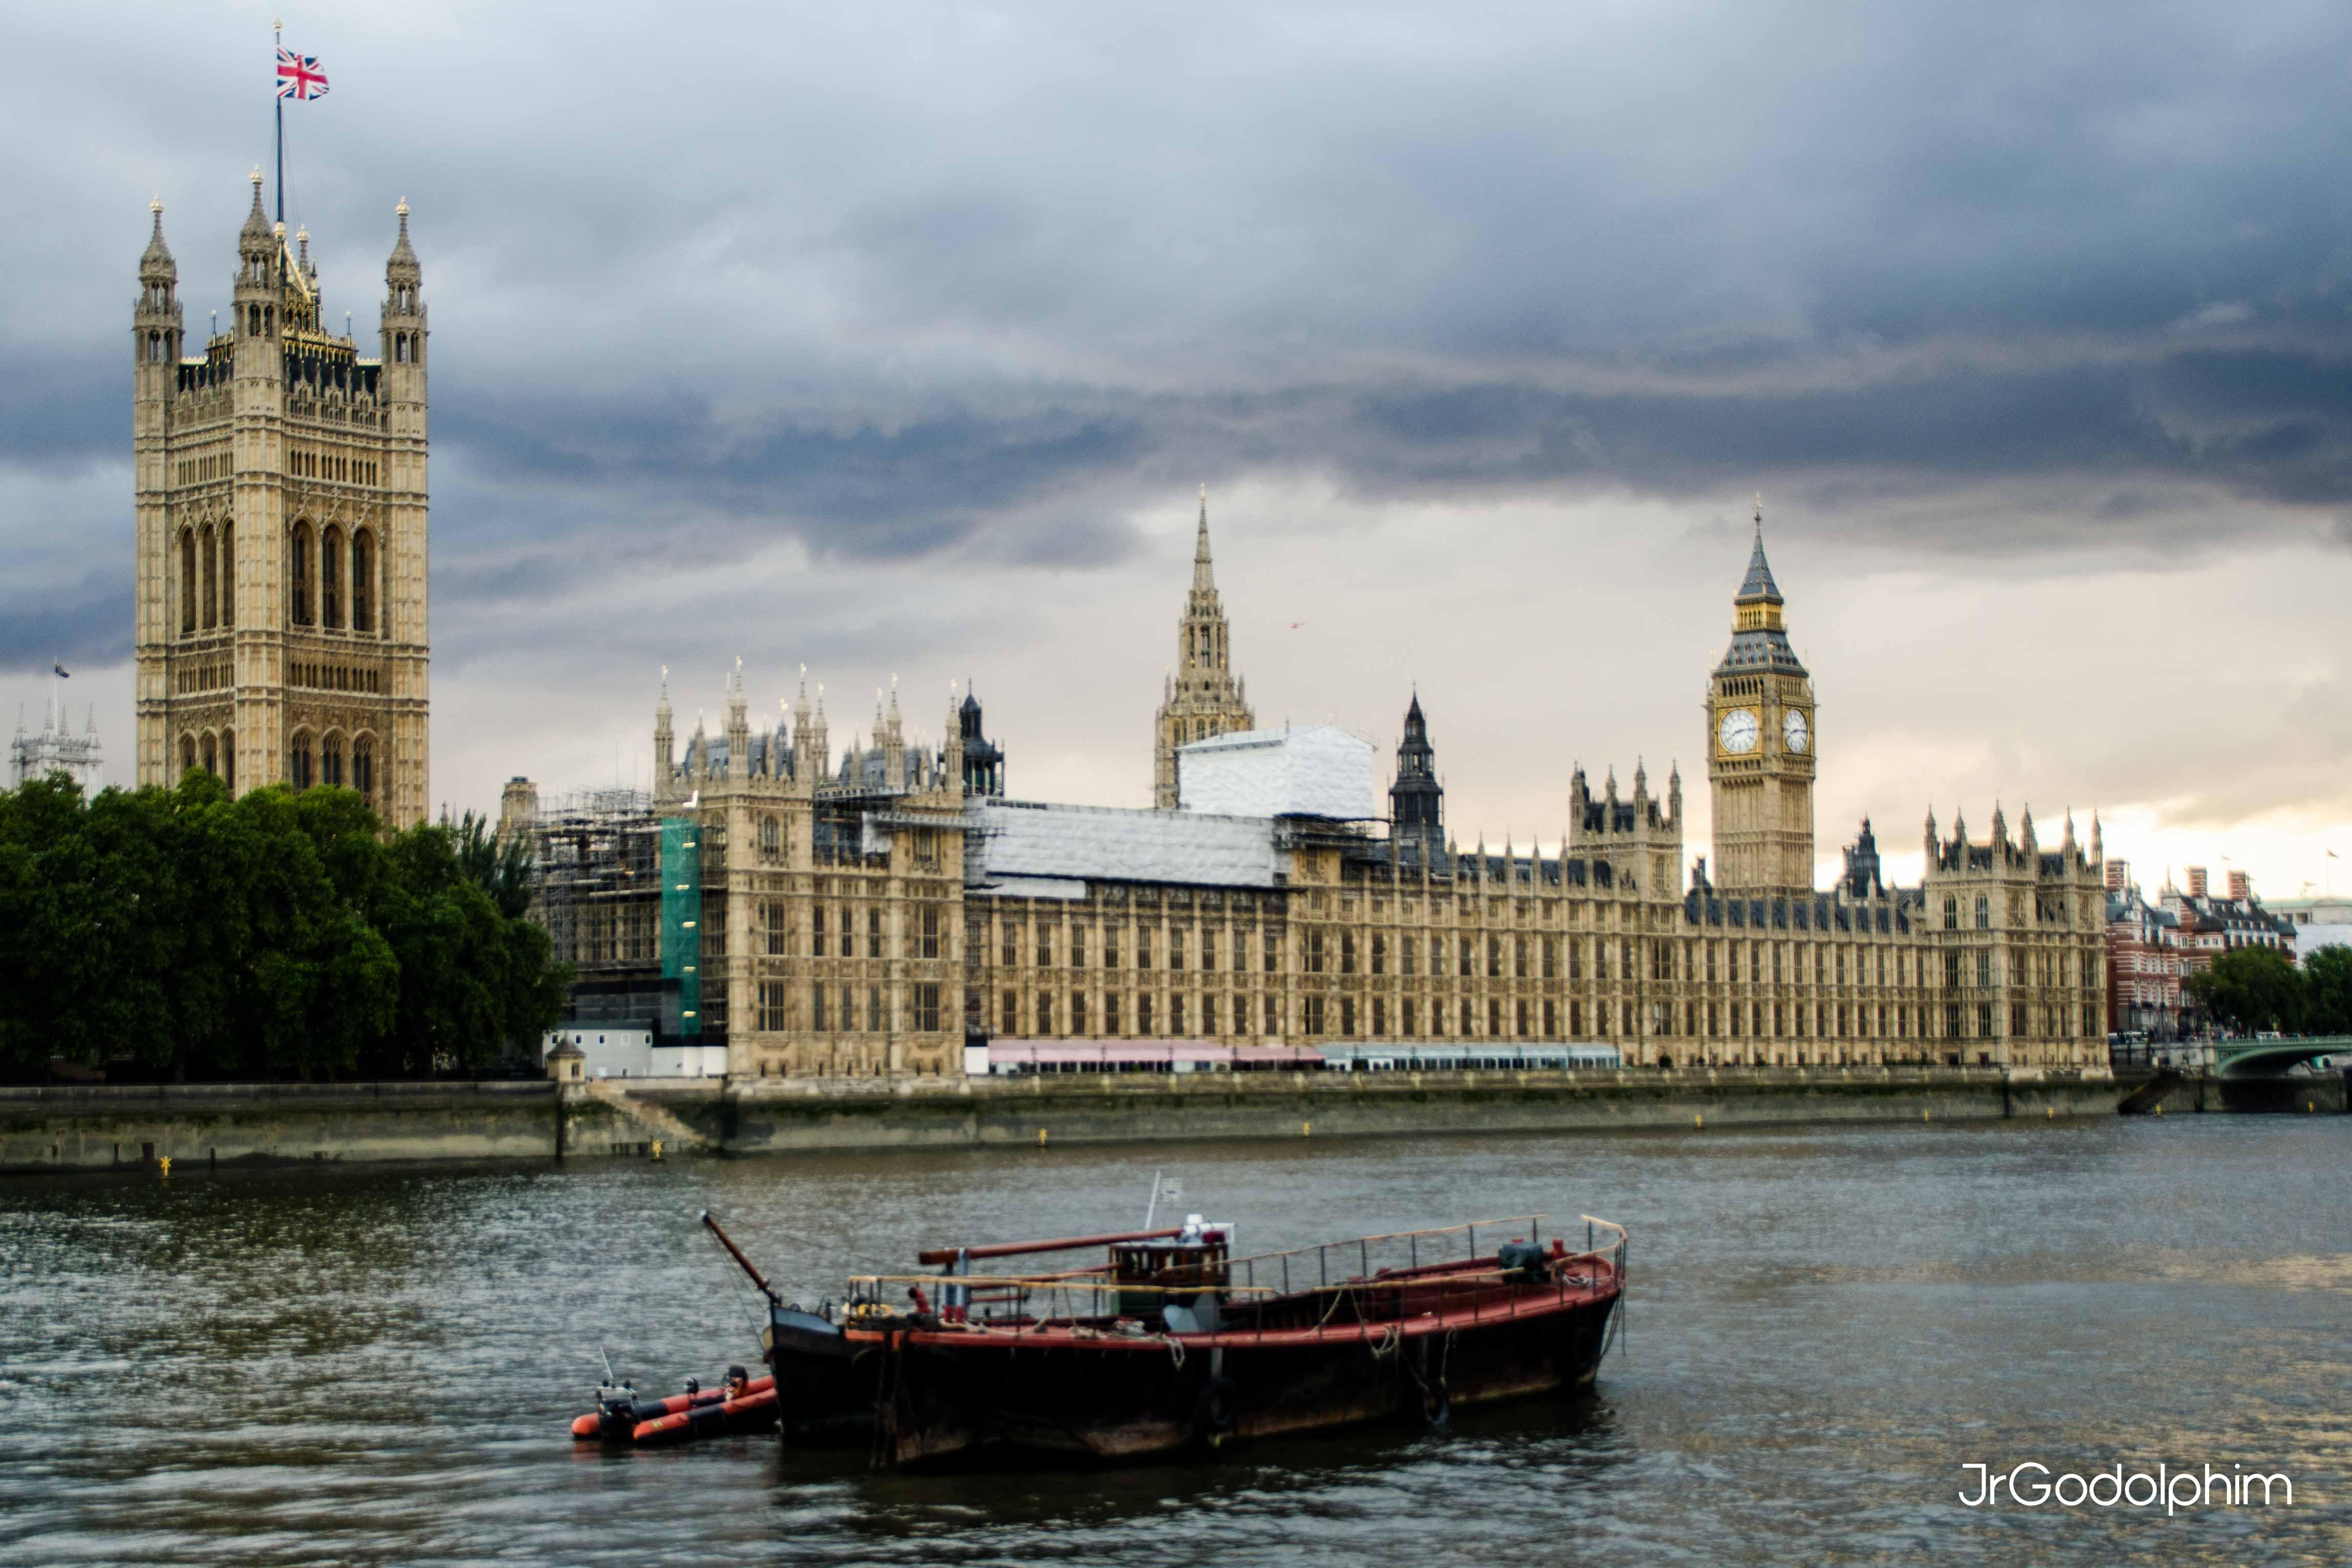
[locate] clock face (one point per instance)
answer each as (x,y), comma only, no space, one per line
(1794,732)
(1737,732)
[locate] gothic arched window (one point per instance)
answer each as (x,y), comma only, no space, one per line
(212,579)
(298,587)
(228,759)
(331,760)
(363,767)
(212,756)
(362,579)
(228,575)
(330,579)
(188,754)
(297,760)
(187,580)
(1984,913)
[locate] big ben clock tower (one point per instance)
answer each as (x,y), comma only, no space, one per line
(1760,744)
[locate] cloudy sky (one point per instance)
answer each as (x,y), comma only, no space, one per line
(895,340)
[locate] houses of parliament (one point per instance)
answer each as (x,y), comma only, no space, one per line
(280,525)
(867,913)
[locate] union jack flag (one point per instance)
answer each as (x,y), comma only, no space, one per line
(298,75)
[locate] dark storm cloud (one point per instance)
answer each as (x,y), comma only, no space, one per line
(963,284)
(86,624)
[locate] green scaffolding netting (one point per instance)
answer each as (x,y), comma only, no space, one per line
(681,936)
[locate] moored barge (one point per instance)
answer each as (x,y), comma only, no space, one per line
(1173,1344)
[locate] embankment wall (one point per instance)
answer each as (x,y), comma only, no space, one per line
(85,1128)
(99,1127)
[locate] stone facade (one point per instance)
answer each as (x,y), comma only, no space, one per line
(281,480)
(828,929)
(889,882)
(1202,698)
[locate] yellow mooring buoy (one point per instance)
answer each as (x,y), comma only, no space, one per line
(1306,1129)
(1041,1137)
(657,1148)
(1698,1119)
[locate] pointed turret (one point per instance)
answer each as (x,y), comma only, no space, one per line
(1200,698)
(1416,798)
(739,727)
(404,322)
(155,324)
(1204,576)
(254,317)
(155,263)
(665,747)
(1757,585)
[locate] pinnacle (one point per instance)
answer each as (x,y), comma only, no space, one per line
(1203,575)
(1758,583)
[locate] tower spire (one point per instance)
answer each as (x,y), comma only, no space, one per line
(1200,698)
(1204,579)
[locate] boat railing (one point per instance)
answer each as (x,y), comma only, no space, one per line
(1420,1248)
(1057,1302)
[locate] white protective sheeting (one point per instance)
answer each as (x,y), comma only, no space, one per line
(1102,843)
(1035,887)
(1321,771)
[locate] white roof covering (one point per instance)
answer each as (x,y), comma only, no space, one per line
(1320,771)
(1102,844)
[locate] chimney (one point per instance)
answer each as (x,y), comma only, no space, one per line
(2240,886)
(2197,882)
(2118,875)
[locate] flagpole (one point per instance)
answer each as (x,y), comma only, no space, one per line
(277,36)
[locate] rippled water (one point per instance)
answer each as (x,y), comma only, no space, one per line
(306,1366)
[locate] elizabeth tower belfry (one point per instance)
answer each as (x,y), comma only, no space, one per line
(280,477)
(1760,744)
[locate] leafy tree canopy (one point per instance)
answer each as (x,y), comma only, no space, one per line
(275,934)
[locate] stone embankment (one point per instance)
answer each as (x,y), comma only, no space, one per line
(86,1128)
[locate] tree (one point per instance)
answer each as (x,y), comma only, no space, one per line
(277,933)
(2251,988)
(2327,991)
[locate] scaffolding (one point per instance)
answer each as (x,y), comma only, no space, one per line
(596,882)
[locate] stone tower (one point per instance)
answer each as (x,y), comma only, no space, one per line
(1416,800)
(1760,744)
(281,483)
(1202,698)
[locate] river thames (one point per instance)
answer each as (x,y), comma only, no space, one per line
(1825,1328)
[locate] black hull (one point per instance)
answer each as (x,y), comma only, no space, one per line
(826,1382)
(979,1397)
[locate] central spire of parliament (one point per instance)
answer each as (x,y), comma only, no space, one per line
(1200,698)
